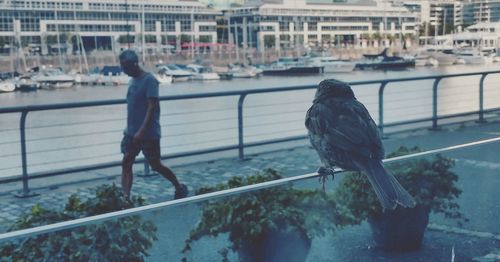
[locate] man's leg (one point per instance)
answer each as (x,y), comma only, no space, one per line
(129,151)
(157,166)
(151,150)
(127,175)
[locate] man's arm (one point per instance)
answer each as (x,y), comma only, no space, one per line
(153,105)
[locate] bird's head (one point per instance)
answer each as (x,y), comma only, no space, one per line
(333,88)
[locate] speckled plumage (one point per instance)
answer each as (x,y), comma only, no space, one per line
(344,135)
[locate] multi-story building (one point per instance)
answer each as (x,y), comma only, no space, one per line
(437,17)
(103,24)
(485,36)
(482,11)
(294,23)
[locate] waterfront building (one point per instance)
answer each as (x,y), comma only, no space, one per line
(468,13)
(291,24)
(482,11)
(485,36)
(437,17)
(105,24)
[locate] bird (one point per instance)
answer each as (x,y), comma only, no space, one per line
(344,135)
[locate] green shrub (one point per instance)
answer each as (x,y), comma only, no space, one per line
(124,239)
(246,217)
(429,180)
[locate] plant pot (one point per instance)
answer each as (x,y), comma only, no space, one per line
(401,229)
(276,246)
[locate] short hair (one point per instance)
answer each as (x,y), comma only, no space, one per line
(129,55)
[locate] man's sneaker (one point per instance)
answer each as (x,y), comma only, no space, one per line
(182,192)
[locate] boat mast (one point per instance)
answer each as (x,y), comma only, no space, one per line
(229,36)
(192,33)
(16,43)
(143,41)
(61,61)
(83,54)
(127,25)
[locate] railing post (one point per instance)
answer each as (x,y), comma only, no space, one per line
(381,108)
(481,99)
(147,170)
(241,145)
(25,192)
(435,103)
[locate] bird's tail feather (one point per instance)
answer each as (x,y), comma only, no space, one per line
(388,190)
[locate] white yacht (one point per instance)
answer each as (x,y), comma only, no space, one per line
(291,66)
(241,71)
(472,56)
(439,48)
(425,60)
(87,79)
(53,77)
(202,72)
(25,83)
(163,78)
(332,64)
(113,75)
(175,72)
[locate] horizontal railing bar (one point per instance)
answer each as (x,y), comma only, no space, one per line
(224,93)
(218,149)
(419,120)
(168,156)
(198,198)
(273,141)
(113,164)
(441,150)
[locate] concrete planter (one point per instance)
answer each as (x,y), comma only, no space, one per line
(276,246)
(401,229)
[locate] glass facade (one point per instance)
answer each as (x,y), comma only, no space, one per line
(38,18)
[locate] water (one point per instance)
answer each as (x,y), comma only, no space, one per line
(72,137)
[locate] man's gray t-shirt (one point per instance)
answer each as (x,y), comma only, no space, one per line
(139,90)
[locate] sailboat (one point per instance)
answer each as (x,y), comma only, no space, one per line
(15,80)
(84,76)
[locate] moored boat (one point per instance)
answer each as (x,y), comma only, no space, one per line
(200,72)
(25,83)
(333,64)
(291,66)
(382,61)
(7,86)
(53,77)
(175,72)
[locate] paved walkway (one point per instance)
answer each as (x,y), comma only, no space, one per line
(302,159)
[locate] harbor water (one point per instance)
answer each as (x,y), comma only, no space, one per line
(58,139)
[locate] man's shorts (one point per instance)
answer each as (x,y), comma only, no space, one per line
(150,148)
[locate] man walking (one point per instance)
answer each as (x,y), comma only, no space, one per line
(143,130)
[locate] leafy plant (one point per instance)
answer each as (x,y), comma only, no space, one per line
(248,217)
(126,239)
(429,180)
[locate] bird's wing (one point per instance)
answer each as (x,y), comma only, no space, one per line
(345,125)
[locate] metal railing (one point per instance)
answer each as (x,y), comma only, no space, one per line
(30,232)
(241,145)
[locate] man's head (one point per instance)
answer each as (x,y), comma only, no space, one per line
(129,61)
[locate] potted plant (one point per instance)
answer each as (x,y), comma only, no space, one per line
(259,223)
(125,239)
(429,180)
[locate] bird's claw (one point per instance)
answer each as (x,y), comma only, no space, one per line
(323,173)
